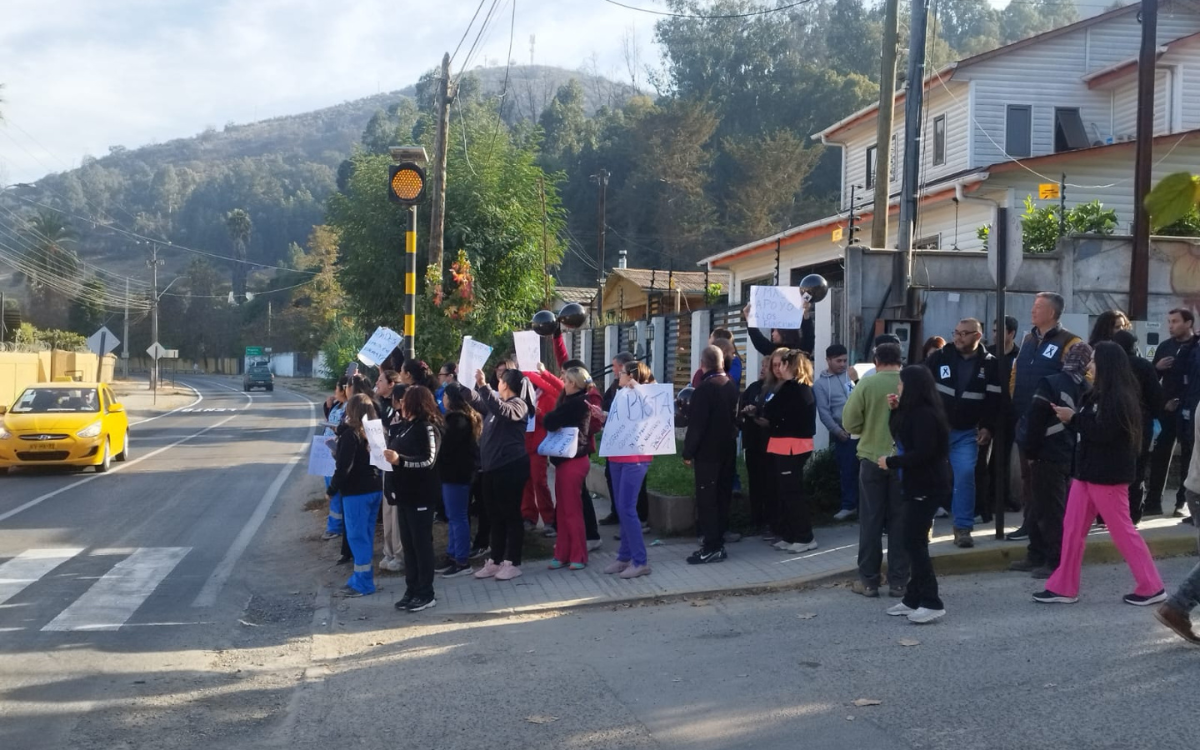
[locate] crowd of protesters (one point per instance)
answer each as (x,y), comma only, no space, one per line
(1093,426)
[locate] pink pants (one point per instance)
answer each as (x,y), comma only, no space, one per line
(571,544)
(1111,501)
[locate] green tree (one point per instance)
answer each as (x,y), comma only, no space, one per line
(768,173)
(308,313)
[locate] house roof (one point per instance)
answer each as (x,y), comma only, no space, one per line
(1117,71)
(582,295)
(866,112)
(688,282)
(1035,162)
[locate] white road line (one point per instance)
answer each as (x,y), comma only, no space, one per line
(199,398)
(248,396)
(29,566)
(117,595)
(212,587)
(116,468)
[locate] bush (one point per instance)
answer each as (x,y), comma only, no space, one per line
(1091,218)
(1188,226)
(340,349)
(822,484)
(1040,225)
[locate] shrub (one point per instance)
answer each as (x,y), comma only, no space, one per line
(822,484)
(340,349)
(1040,225)
(1188,226)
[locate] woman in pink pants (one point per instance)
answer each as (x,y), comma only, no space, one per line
(1109,427)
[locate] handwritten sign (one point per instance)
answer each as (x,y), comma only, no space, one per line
(474,356)
(529,350)
(641,422)
(377,443)
(379,346)
(320,457)
(560,443)
(775,307)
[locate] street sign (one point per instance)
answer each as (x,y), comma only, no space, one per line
(1014,246)
(171,354)
(1048,191)
(156,351)
(837,234)
(103,341)
(254,351)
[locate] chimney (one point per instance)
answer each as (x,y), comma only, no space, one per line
(621,259)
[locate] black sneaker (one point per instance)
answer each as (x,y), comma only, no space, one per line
(610,520)
(1024,565)
(480,552)
(1020,535)
(1049,597)
(444,565)
(1138,600)
(345,559)
(421,602)
(1187,521)
(1041,573)
(456,570)
(404,602)
(700,557)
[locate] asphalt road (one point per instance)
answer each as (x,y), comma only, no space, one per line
(104,575)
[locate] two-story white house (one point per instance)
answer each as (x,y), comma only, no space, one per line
(997,125)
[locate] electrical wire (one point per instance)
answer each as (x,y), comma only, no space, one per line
(673,14)
(467,30)
(96,270)
(512,29)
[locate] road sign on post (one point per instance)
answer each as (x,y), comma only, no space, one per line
(254,351)
(102,342)
(156,351)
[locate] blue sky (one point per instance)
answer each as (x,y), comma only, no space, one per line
(83,75)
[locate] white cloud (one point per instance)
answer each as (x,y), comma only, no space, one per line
(89,75)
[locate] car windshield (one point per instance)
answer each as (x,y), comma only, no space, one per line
(259,371)
(57,400)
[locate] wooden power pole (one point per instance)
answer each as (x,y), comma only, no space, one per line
(445,95)
(883,136)
(1139,271)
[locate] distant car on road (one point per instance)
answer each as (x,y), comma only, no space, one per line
(64,424)
(259,376)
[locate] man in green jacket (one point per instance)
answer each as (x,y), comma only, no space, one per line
(866,415)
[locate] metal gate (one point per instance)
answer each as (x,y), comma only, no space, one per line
(627,338)
(677,350)
(597,363)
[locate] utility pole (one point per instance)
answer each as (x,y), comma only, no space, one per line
(1139,271)
(445,95)
(883,134)
(1001,441)
(909,188)
(125,340)
(601,179)
(269,349)
(154,263)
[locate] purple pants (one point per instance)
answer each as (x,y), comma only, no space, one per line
(627,483)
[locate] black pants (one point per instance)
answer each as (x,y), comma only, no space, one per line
(1048,506)
(483,533)
(880,505)
(795,522)
(714,492)
(591,531)
(1160,461)
(922,590)
(416,534)
(1186,441)
(761,480)
(643,502)
(502,490)
(1137,488)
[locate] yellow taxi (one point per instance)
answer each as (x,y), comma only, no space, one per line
(64,424)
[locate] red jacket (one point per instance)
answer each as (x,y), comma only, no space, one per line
(549,386)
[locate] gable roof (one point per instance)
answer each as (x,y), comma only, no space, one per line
(582,295)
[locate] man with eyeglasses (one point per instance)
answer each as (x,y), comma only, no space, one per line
(968,379)
(447,375)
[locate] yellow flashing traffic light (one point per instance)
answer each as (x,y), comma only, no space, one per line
(406,184)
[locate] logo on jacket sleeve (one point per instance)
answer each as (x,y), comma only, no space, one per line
(945,372)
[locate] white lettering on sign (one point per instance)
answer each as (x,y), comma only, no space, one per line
(641,422)
(775,307)
(529,350)
(320,457)
(373,428)
(379,346)
(474,356)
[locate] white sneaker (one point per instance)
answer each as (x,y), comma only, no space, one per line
(842,515)
(941,513)
(782,546)
(802,546)
(898,610)
(925,616)
(391,563)
(594,544)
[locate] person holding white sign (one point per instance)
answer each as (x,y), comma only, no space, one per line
(792,419)
(571,416)
(628,479)
(803,338)
(414,453)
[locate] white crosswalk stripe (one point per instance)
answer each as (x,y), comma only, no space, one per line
(113,599)
(28,567)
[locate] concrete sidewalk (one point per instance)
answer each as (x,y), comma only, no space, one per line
(753,566)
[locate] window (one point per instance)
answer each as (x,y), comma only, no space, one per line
(1018,130)
(932,242)
(870,176)
(897,158)
(939,140)
(1069,133)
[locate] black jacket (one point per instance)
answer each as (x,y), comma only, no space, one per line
(1152,400)
(1047,438)
(1105,454)
(976,405)
(792,412)
(504,421)
(1174,379)
(354,474)
(803,339)
(712,427)
(414,481)
(570,411)
(925,462)
(754,436)
(459,456)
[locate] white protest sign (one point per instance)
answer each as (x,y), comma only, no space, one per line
(379,346)
(529,350)
(641,422)
(320,457)
(474,356)
(560,443)
(377,442)
(775,307)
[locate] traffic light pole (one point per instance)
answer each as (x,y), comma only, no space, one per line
(410,285)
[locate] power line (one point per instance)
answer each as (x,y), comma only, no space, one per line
(96,270)
(714,17)
(468,29)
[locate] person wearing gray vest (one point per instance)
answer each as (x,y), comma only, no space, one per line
(1041,354)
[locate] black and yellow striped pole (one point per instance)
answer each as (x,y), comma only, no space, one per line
(406,186)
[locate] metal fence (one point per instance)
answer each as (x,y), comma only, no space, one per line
(677,349)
